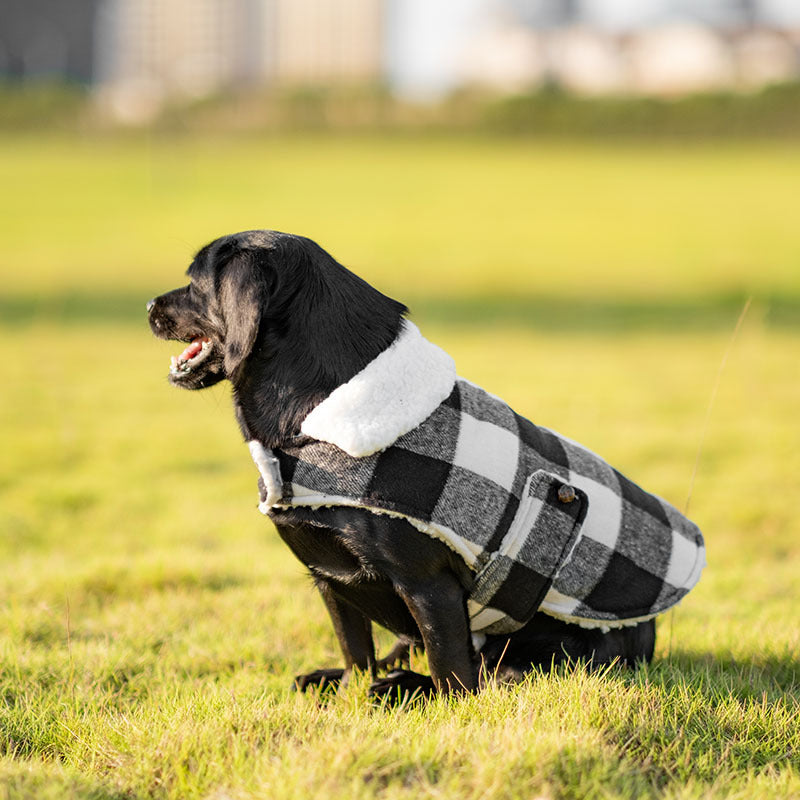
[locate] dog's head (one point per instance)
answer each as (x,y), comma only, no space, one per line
(278,317)
(218,314)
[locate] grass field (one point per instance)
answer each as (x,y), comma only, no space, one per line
(151,621)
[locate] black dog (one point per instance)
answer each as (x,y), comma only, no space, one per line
(286,324)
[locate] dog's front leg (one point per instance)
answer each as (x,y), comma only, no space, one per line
(439,609)
(354,632)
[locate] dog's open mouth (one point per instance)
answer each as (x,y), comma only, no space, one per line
(197,351)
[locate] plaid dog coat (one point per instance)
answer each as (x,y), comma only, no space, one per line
(543,523)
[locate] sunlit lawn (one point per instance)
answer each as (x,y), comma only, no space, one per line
(459,216)
(150,620)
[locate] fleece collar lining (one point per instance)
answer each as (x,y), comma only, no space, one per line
(391,396)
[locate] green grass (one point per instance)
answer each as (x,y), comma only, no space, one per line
(150,619)
(463,217)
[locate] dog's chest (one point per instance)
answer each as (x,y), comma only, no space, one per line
(328,553)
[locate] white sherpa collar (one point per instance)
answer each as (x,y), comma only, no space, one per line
(392,395)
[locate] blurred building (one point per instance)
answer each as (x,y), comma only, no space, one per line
(42,39)
(139,53)
(319,41)
(148,50)
(652,47)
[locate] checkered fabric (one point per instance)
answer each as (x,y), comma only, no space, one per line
(542,522)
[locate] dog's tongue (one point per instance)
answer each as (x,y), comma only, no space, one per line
(193,349)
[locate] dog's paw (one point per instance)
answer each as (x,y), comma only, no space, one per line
(401,687)
(320,680)
(399,657)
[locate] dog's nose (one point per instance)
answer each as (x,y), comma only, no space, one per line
(150,305)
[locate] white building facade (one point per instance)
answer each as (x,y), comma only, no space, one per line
(151,50)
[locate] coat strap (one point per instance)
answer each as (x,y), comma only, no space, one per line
(270,472)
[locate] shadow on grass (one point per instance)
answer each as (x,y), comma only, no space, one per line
(535,312)
(769,677)
(701,716)
(587,314)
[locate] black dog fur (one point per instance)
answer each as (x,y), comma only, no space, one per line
(287,325)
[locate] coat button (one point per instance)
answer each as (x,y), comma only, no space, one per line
(566,494)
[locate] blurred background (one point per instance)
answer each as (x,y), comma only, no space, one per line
(148,84)
(137,56)
(140,52)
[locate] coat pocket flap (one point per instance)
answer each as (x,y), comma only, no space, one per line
(539,540)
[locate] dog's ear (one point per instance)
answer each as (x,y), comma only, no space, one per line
(243,296)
